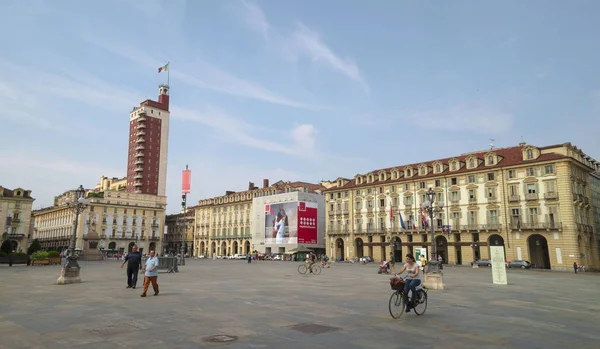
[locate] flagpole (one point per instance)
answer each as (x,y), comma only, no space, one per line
(168,72)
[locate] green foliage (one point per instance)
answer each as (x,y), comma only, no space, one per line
(34,247)
(53,254)
(92,194)
(18,254)
(39,255)
(3,254)
(6,247)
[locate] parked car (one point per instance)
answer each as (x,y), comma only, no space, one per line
(239,256)
(483,263)
(517,263)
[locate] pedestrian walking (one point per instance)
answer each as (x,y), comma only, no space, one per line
(392,263)
(151,274)
(575,267)
(134,264)
(249,257)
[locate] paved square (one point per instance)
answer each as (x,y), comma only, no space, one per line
(269,305)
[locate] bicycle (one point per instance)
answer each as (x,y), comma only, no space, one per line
(302,269)
(397,303)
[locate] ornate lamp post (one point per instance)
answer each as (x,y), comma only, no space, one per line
(474,247)
(432,266)
(70,271)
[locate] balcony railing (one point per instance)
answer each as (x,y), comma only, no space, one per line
(492,199)
(514,198)
(140,140)
(153,238)
(140,147)
(16,220)
(472,200)
(535,225)
(139,155)
(531,196)
(551,196)
(139,169)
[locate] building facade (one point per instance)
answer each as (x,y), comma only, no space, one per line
(180,232)
(148,146)
(595,196)
(115,220)
(15,215)
(224,223)
(534,201)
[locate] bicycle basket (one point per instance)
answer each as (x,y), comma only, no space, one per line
(397,284)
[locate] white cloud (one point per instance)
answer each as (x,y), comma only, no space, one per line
(302,42)
(72,84)
(309,43)
(48,175)
(256,18)
(477,118)
(199,74)
(303,137)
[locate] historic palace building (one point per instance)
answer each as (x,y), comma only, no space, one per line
(534,201)
(15,214)
(114,220)
(179,235)
(223,224)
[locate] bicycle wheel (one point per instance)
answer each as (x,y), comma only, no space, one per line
(302,269)
(316,269)
(397,305)
(421,303)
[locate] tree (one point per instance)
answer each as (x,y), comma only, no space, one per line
(34,247)
(6,247)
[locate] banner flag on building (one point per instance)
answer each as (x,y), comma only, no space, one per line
(401,221)
(391,214)
(424,219)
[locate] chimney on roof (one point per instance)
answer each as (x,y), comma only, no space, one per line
(265,183)
(250,185)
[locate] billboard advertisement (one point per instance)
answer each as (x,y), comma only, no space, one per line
(291,223)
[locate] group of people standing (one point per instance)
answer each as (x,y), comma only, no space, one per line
(150,269)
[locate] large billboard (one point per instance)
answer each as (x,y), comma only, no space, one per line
(291,223)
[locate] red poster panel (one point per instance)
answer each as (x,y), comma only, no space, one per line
(307,222)
(186,181)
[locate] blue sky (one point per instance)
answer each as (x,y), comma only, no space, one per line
(304,90)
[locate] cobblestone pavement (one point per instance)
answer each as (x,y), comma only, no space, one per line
(269,305)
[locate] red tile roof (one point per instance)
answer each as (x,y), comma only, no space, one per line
(506,157)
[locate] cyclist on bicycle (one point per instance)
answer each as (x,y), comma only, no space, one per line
(413,280)
(311,260)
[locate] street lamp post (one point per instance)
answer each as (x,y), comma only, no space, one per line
(70,272)
(474,247)
(433,265)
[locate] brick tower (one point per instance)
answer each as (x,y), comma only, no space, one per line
(148,145)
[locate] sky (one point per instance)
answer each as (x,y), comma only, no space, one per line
(288,90)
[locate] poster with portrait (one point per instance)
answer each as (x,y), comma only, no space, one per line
(281,223)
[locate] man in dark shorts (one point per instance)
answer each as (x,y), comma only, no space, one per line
(134,262)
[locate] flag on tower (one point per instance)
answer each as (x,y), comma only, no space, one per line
(164,68)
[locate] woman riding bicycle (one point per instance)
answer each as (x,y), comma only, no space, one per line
(412,281)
